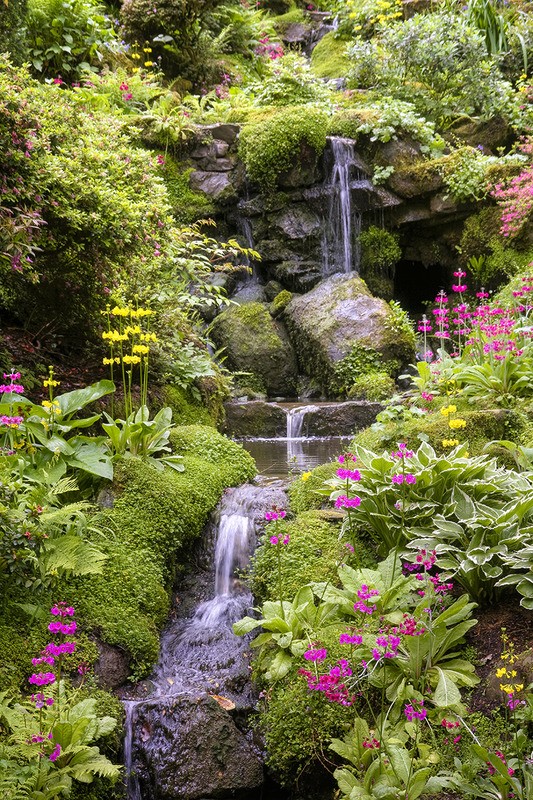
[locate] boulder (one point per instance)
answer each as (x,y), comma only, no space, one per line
(255,418)
(297,222)
(226,131)
(193,750)
(339,313)
(299,276)
(112,667)
(339,419)
(214,184)
(257,344)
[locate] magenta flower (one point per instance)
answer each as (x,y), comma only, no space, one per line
(411,712)
(316,655)
(347,638)
(351,474)
(347,502)
(42,678)
(56,752)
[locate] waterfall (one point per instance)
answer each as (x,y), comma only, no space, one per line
(340,245)
(295,420)
(200,655)
(132,783)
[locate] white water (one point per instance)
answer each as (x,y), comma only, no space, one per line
(295,420)
(132,784)
(340,246)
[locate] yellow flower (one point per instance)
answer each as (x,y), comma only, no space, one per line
(306,476)
(120,312)
(141,348)
(135,330)
(518,687)
(135,55)
(448,410)
(455,424)
(115,336)
(148,63)
(450,442)
(53,406)
(131,360)
(111,361)
(501,672)
(147,49)
(507,688)
(149,337)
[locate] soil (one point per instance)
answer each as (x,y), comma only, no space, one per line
(517,624)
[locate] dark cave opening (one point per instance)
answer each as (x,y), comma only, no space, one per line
(416,284)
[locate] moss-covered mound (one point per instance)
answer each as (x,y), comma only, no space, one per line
(257,344)
(155,515)
(329,59)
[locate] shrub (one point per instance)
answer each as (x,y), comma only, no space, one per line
(12,31)
(374,386)
(68,37)
(290,82)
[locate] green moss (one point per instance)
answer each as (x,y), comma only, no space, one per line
(303,492)
(374,386)
(481,427)
(282,21)
(292,136)
(231,460)
(312,555)
(187,205)
(280,302)
(380,252)
(361,360)
(329,59)
(185,409)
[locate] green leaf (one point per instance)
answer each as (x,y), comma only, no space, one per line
(74,401)
(279,667)
(245,625)
(446,692)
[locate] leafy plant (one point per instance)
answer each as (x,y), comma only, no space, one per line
(140,437)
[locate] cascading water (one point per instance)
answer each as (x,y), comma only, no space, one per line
(340,245)
(200,655)
(295,420)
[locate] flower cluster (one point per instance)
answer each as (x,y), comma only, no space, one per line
(350,638)
(402,451)
(275,514)
(280,539)
(347,502)
(415,710)
(401,478)
(316,655)
(386,646)
(349,474)
(331,684)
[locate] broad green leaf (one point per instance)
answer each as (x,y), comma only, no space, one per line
(446,692)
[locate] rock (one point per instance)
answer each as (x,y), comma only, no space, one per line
(255,418)
(214,184)
(442,204)
(112,666)
(304,172)
(250,293)
(414,181)
(193,750)
(337,314)
(226,131)
(296,33)
(412,7)
(340,419)
(297,222)
(275,250)
(490,134)
(414,212)
(524,675)
(299,276)
(272,289)
(256,343)
(105,499)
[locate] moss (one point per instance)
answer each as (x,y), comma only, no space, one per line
(280,302)
(292,136)
(481,427)
(374,386)
(312,555)
(155,516)
(185,409)
(254,343)
(303,493)
(292,17)
(329,59)
(187,205)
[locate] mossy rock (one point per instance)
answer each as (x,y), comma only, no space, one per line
(481,427)
(280,302)
(186,410)
(329,59)
(187,204)
(256,343)
(339,313)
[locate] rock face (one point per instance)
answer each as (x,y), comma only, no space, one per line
(195,751)
(340,312)
(340,419)
(257,344)
(255,418)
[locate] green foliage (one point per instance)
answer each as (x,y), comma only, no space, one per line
(290,82)
(270,148)
(361,360)
(436,61)
(138,436)
(176,33)
(12,30)
(90,207)
(328,59)
(186,410)
(386,118)
(280,302)
(239,28)
(234,464)
(373,386)
(304,491)
(68,37)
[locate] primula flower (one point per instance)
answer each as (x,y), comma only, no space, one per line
(450,442)
(348,638)
(447,410)
(351,474)
(412,712)
(347,502)
(42,678)
(56,752)
(316,655)
(306,475)
(456,424)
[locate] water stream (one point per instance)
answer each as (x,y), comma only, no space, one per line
(200,655)
(340,244)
